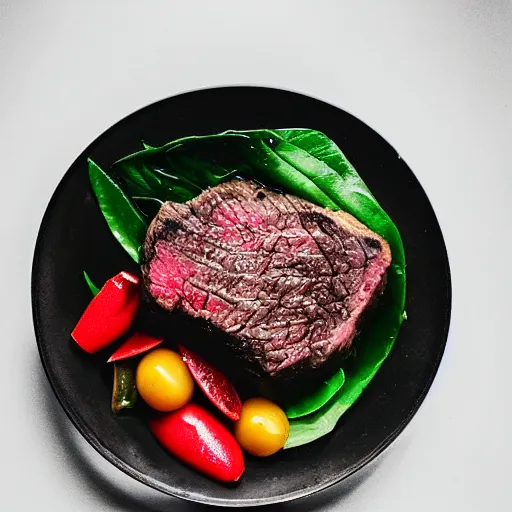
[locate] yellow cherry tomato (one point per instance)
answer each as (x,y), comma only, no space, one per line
(163,380)
(263,427)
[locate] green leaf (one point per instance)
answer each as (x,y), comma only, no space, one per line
(317,398)
(285,173)
(148,173)
(124,391)
(94,289)
(122,217)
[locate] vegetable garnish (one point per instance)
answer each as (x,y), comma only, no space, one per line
(196,437)
(214,384)
(263,427)
(318,397)
(124,392)
(136,344)
(302,162)
(123,219)
(109,314)
(163,380)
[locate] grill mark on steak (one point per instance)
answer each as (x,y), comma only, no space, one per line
(287,280)
(302,218)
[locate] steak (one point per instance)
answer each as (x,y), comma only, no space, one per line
(286,279)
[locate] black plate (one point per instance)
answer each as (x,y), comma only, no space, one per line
(73,237)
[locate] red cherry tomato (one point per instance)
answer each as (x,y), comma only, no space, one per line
(200,440)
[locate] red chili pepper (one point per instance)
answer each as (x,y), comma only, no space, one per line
(136,344)
(109,314)
(200,440)
(215,385)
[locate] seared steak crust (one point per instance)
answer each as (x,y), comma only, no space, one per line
(288,280)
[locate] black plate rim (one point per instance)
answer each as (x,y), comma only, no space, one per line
(96,443)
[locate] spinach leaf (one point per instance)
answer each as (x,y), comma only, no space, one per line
(316,399)
(94,289)
(269,163)
(182,169)
(146,175)
(122,217)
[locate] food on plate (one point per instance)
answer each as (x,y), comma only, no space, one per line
(287,279)
(273,244)
(214,384)
(199,439)
(110,313)
(136,344)
(303,163)
(124,391)
(163,380)
(263,427)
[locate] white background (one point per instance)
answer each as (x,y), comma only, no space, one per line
(433,77)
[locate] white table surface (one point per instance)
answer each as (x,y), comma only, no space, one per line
(433,77)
